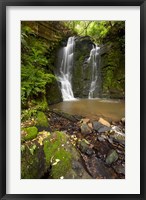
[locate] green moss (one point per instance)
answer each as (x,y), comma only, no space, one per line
(32,161)
(42,119)
(62,167)
(54,148)
(52,145)
(31,133)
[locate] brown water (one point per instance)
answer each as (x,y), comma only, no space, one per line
(93,108)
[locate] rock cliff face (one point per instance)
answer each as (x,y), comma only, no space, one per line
(112,66)
(109,69)
(81,75)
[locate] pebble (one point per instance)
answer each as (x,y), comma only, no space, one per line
(112,157)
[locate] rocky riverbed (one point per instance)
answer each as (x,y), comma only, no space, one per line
(73,147)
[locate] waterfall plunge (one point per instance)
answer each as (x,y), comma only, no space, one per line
(66,70)
(94,64)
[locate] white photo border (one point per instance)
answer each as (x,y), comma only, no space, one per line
(131,16)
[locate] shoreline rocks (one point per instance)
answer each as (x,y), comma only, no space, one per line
(91,154)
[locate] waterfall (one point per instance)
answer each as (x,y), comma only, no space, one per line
(66,70)
(93,59)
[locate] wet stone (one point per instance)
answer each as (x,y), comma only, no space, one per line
(96,125)
(84,147)
(112,157)
(104,122)
(103,129)
(98,169)
(101,139)
(85,129)
(120,169)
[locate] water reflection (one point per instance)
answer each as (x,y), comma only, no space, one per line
(109,109)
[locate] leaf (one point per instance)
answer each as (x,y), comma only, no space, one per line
(55,163)
(40,141)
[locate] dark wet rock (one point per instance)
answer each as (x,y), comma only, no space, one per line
(96,125)
(85,129)
(103,129)
(84,147)
(81,74)
(120,169)
(72,118)
(89,152)
(51,96)
(100,127)
(101,139)
(77,172)
(98,169)
(101,148)
(118,138)
(111,157)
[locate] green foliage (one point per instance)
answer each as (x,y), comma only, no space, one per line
(28,114)
(35,105)
(39,104)
(34,76)
(31,133)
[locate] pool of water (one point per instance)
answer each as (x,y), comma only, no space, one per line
(93,108)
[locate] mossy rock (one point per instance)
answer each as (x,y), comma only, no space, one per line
(31,133)
(53,93)
(33,163)
(53,152)
(42,120)
(57,155)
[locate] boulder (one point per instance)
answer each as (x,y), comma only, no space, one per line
(52,155)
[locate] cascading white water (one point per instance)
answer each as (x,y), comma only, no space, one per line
(94,64)
(66,70)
